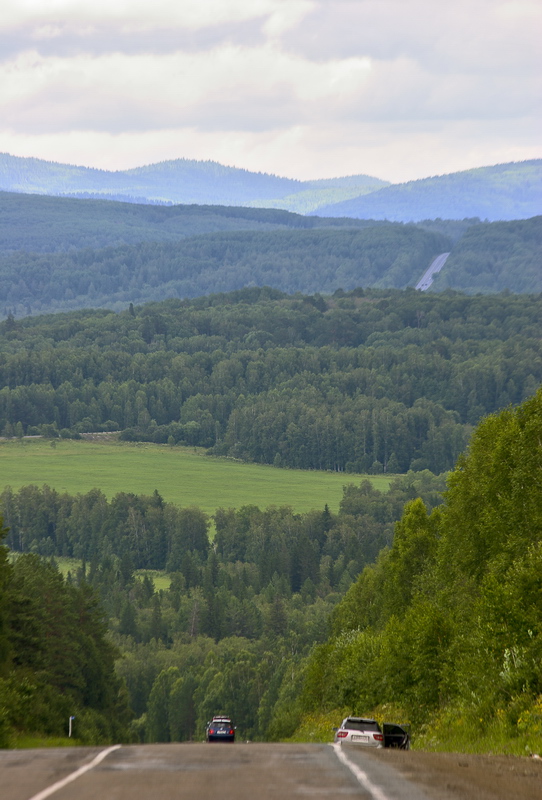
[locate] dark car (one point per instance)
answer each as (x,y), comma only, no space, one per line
(397,736)
(220,729)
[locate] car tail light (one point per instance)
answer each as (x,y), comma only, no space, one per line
(342,734)
(379,737)
(231,731)
(211,730)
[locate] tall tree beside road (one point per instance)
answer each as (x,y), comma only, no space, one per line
(449,619)
(5,575)
(60,662)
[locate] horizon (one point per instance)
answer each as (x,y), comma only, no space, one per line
(261,172)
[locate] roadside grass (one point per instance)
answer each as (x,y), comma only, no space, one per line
(453,730)
(490,742)
(461,730)
(28,741)
(183,476)
(318,727)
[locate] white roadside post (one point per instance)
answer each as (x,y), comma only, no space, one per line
(70,726)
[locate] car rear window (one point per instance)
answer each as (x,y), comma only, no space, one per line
(361,725)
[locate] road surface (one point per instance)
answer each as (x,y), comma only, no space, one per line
(262,771)
(427,278)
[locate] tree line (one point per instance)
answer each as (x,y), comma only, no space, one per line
(358,382)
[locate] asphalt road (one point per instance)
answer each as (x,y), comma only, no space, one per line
(194,771)
(427,278)
(263,771)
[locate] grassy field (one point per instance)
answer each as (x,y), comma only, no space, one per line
(160,578)
(183,476)
(65,566)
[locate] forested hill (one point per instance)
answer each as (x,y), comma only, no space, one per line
(495,257)
(291,261)
(503,192)
(180,181)
(50,224)
(362,381)
(281,253)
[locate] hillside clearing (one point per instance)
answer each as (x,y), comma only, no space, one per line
(183,476)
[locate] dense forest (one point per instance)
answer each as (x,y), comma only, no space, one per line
(36,224)
(56,660)
(282,620)
(239,613)
(292,261)
(60,254)
(357,382)
(503,192)
(488,255)
(446,625)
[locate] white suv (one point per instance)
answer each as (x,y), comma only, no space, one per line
(357,730)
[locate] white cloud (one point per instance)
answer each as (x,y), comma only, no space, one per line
(239,85)
(136,14)
(318,86)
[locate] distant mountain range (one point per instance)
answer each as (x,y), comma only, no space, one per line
(180,181)
(502,192)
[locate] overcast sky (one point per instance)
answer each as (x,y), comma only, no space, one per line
(398,89)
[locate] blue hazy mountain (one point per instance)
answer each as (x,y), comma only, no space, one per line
(503,192)
(180,181)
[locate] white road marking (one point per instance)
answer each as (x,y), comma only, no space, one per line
(69,778)
(358,773)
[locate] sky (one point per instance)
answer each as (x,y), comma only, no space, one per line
(306,89)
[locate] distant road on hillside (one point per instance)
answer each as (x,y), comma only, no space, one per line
(427,278)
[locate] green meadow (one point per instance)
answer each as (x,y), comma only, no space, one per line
(65,566)
(183,476)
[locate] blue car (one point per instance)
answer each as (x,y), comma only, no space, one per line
(220,729)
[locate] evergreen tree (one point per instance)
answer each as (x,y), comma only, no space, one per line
(5,576)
